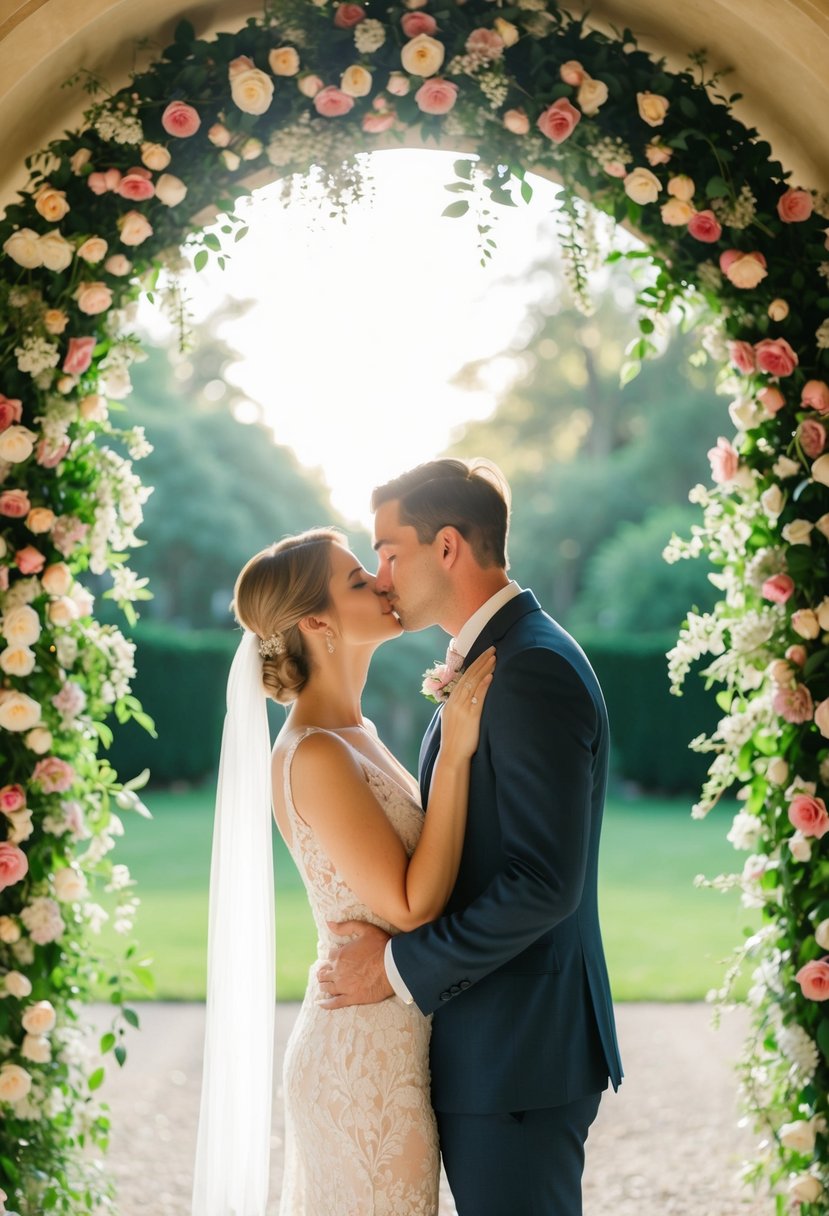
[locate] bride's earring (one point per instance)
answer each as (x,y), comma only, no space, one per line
(329,641)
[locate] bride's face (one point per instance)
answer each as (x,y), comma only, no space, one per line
(363,614)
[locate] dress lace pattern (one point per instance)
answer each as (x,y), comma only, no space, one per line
(360,1131)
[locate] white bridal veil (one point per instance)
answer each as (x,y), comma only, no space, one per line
(232,1153)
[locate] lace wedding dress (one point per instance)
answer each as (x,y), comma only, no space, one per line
(360,1135)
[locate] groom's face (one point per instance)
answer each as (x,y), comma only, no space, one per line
(409,573)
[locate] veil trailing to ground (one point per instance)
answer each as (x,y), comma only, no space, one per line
(233,1148)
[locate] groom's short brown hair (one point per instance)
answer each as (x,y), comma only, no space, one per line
(470,495)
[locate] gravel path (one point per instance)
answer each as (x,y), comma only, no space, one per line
(666,1145)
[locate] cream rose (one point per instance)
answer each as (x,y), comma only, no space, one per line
(93,408)
(18,712)
(17,444)
(21,626)
(800,847)
(799,1135)
(778,310)
(773,500)
(55,320)
(821,934)
(591,96)
(15,1083)
(251,89)
(40,519)
(799,532)
(251,148)
(284,61)
(423,56)
(79,160)
(93,250)
(56,252)
(642,186)
(62,611)
(19,661)
(652,108)
(155,156)
(219,135)
(777,770)
(681,186)
(37,1048)
(23,247)
(17,984)
(805,623)
(230,159)
(56,579)
(135,228)
(398,84)
(506,31)
(39,1018)
(803,1188)
(69,885)
(93,298)
(39,740)
(9,930)
(51,203)
(170,190)
(356,81)
(676,212)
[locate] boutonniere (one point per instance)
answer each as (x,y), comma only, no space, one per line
(441,678)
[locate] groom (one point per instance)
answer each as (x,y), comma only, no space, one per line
(523,1038)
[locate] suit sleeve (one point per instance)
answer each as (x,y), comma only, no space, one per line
(542,734)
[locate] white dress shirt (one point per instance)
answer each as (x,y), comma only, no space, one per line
(462,644)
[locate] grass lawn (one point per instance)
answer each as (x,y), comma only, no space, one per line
(664,938)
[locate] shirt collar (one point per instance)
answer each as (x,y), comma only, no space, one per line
(470,631)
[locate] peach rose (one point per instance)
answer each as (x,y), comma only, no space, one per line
(29,560)
(822,718)
(572,73)
(376,124)
(250,88)
(681,186)
(777,770)
(815,396)
(17,984)
(17,662)
(56,252)
(180,120)
(331,102)
(436,96)
(797,655)
(48,457)
(772,400)
(744,270)
(135,187)
(18,712)
(642,186)
(506,31)
(230,160)
(799,847)
(517,122)
(346,16)
(55,320)
(820,470)
(778,310)
(93,250)
(219,135)
(356,81)
(155,156)
(11,411)
(93,298)
(657,153)
(423,56)
(591,96)
(104,183)
(40,519)
(69,885)
(36,1048)
(822,610)
(134,228)
(62,611)
(809,815)
(9,930)
(822,525)
(38,740)
(779,588)
(805,623)
(812,437)
(794,206)
(775,356)
(14,864)
(652,108)
(170,190)
(793,704)
(14,504)
(398,84)
(15,1083)
(93,408)
(51,203)
(12,798)
(16,444)
(284,61)
(79,160)
(56,579)
(559,121)
(814,979)
(418,23)
(39,1018)
(676,212)
(23,247)
(741,355)
(704,226)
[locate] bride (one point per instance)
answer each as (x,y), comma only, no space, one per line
(360,1131)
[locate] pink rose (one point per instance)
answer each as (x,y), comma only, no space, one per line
(376,124)
(744,270)
(794,704)
(775,356)
(14,504)
(814,979)
(794,206)
(815,396)
(48,457)
(809,815)
(135,187)
(418,23)
(78,355)
(53,775)
(772,400)
(704,226)
(437,681)
(559,120)
(29,560)
(822,718)
(180,119)
(812,437)
(103,183)
(572,73)
(348,15)
(332,102)
(779,588)
(11,411)
(12,798)
(13,864)
(797,655)
(742,357)
(485,43)
(436,96)
(516,121)
(725,461)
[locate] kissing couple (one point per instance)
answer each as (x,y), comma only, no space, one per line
(460,1004)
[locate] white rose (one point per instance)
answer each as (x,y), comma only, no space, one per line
(39,740)
(155,157)
(642,186)
(116,383)
(36,1048)
(822,935)
(9,930)
(777,770)
(799,1135)
(422,56)
(56,253)
(170,190)
(284,61)
(681,186)
(39,1018)
(62,611)
(17,444)
(18,712)
(798,532)
(15,1083)
(21,626)
(19,661)
(94,250)
(17,984)
(69,885)
(24,952)
(745,413)
(591,95)
(356,81)
(251,90)
(800,847)
(803,1188)
(83,598)
(23,247)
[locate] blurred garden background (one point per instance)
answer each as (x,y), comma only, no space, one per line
(600,473)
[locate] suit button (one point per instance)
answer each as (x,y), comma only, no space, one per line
(465,984)
(446,996)
(454,990)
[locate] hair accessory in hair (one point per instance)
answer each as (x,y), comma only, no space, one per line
(275,644)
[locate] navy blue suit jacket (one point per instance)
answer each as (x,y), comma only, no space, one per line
(514,970)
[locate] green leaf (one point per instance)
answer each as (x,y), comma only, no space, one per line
(646,325)
(463,168)
(120,1054)
(688,107)
(526,191)
(97,1078)
(184,32)
(455,210)
(132,1017)
(211,241)
(200,260)
(107,1043)
(716,187)
(823,1037)
(629,371)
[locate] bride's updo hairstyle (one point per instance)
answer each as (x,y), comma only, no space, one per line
(275,590)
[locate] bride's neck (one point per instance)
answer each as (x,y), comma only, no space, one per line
(332,696)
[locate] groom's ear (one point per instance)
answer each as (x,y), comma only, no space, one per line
(450,541)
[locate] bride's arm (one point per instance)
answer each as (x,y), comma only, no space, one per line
(331,794)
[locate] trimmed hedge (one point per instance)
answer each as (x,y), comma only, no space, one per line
(182,677)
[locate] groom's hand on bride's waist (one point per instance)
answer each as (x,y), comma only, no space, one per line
(354,973)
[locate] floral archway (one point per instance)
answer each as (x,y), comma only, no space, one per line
(736,248)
